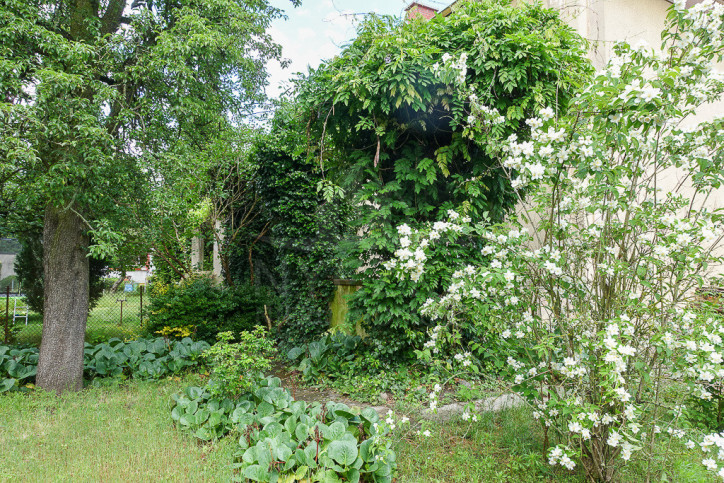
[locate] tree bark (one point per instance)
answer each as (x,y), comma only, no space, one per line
(117,284)
(65,264)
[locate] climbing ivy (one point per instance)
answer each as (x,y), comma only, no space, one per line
(305,234)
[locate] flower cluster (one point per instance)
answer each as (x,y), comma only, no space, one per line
(452,69)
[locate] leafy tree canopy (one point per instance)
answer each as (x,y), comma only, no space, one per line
(101,103)
(393,115)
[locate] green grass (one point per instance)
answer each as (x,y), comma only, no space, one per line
(507,447)
(104,321)
(122,431)
(112,433)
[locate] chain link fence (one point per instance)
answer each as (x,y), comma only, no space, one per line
(116,314)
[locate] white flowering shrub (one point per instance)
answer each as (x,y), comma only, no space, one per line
(593,286)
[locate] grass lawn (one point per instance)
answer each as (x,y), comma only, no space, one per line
(112,433)
(506,446)
(121,431)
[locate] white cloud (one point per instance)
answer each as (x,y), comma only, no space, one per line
(316,30)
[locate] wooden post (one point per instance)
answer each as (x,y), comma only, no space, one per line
(140,308)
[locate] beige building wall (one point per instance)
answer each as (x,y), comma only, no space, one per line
(605,22)
(7,265)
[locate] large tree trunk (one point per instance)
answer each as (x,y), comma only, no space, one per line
(65,263)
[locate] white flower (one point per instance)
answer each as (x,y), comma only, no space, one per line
(404,230)
(537,170)
(614,439)
(426,433)
(626,450)
(648,93)
(626,350)
(710,464)
(567,462)
(546,113)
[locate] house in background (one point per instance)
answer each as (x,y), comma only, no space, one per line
(605,22)
(139,274)
(601,22)
(9,249)
(417,9)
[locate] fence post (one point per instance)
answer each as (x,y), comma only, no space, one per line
(140,309)
(120,324)
(7,314)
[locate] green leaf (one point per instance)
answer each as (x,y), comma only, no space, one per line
(265,409)
(343,452)
(365,451)
(334,431)
(352,475)
(301,432)
(7,384)
(256,473)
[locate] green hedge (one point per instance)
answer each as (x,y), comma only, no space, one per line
(207,309)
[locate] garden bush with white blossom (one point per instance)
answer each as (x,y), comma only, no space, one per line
(592,285)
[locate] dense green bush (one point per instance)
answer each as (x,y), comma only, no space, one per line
(398,125)
(205,308)
(140,359)
(287,440)
(304,231)
(235,366)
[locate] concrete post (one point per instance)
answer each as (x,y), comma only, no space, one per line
(217,249)
(197,253)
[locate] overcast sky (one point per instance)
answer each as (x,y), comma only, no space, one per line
(316,31)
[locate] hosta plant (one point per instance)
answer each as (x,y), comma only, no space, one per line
(283,440)
(139,359)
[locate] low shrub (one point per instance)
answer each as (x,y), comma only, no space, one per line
(287,440)
(235,367)
(207,308)
(139,359)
